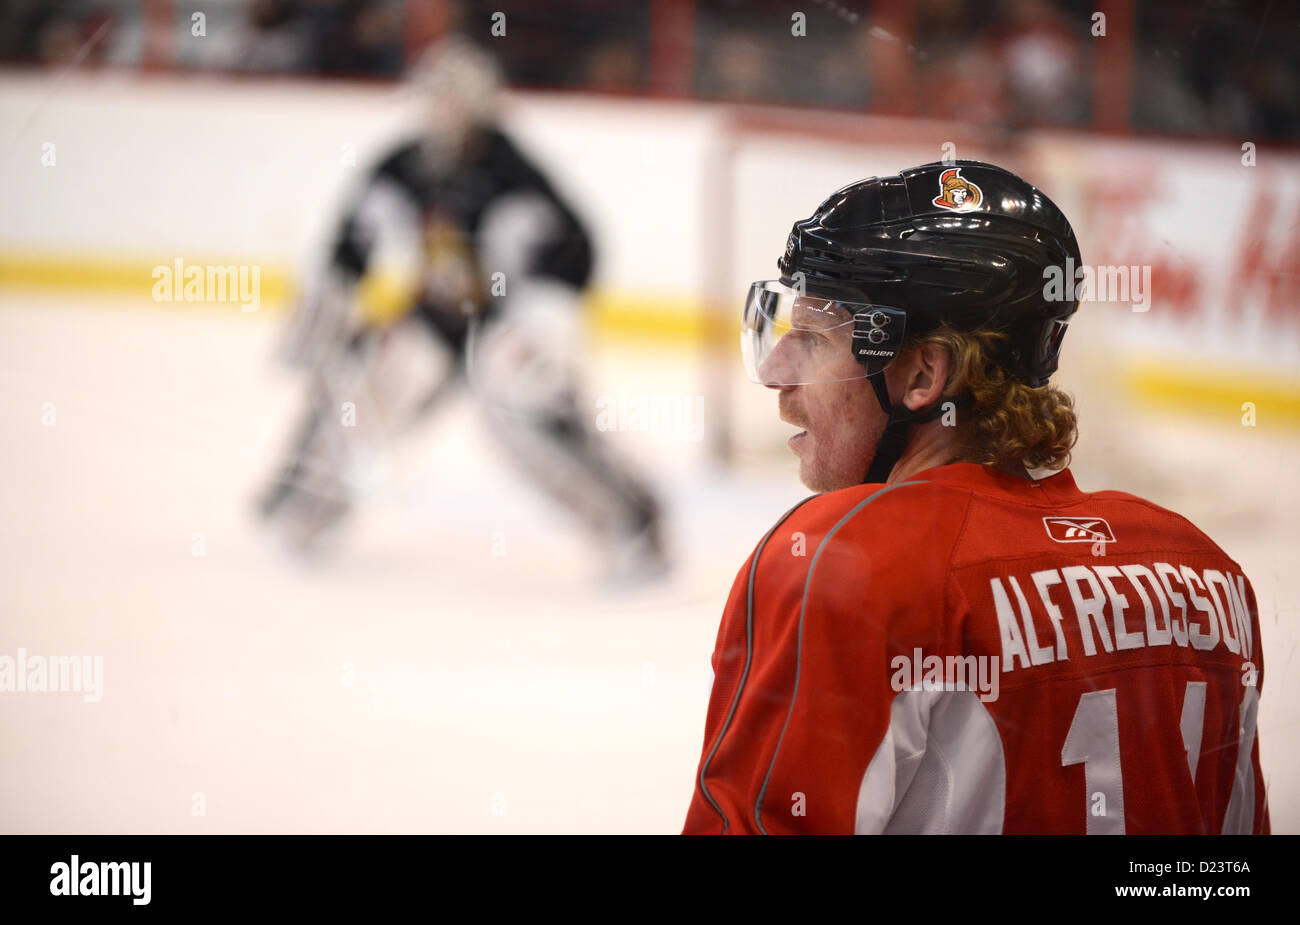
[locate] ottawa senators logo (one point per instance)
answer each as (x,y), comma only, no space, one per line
(956,192)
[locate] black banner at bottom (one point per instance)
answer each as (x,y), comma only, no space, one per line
(138,874)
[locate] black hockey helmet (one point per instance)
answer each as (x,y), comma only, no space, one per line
(967,243)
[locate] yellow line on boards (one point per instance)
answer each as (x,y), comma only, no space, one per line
(1227,393)
(128,277)
(662,319)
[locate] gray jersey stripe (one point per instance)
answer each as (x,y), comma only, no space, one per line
(749,651)
(798,665)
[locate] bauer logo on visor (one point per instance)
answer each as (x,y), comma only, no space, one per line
(789,338)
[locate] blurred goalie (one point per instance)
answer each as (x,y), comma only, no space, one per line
(458,263)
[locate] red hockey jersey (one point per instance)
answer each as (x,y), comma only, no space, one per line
(973,652)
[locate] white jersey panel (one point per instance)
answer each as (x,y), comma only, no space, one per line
(939,770)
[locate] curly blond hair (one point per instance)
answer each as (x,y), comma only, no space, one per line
(999,417)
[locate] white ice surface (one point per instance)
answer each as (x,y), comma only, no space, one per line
(488,693)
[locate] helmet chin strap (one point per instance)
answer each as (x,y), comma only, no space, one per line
(893,439)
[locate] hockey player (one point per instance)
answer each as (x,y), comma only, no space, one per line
(938,642)
(458,262)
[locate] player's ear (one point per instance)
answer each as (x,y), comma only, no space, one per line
(926,375)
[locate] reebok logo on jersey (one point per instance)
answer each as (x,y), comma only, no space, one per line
(1079,529)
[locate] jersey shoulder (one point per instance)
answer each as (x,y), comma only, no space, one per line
(873,552)
(512,169)
(1171,527)
(884,515)
(404,164)
(894,542)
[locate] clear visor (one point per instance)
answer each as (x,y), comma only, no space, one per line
(789,338)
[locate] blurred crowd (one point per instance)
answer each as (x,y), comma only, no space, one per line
(344,37)
(1218,67)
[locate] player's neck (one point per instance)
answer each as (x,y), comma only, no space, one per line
(933,445)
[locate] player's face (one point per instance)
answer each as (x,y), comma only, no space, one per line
(836,408)
(448,117)
(450,125)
